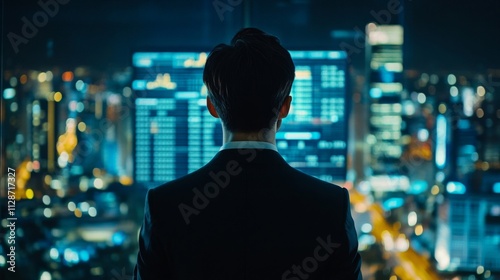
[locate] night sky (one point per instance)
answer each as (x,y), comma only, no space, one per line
(439,35)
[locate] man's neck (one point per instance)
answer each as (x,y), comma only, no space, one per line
(265,135)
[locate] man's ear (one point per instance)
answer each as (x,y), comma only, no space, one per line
(285,108)
(211,108)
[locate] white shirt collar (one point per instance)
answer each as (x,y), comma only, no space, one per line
(248,145)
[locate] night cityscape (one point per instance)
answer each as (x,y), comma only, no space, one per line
(102,100)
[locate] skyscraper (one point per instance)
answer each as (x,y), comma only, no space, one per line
(384,51)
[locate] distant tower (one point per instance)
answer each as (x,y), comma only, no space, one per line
(467,234)
(468,224)
(384,53)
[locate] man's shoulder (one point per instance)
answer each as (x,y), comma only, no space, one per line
(313,184)
(245,164)
(181,183)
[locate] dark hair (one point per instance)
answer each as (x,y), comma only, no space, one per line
(248,80)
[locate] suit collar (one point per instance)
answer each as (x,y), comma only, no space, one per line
(249,156)
(249,145)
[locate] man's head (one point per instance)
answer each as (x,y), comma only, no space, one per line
(249,80)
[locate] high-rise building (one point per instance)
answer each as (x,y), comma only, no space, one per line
(174,134)
(468,234)
(384,52)
(466,158)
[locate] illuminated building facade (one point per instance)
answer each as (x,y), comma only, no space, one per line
(175,134)
(385,86)
(466,159)
(468,230)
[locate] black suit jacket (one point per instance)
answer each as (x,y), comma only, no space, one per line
(247,214)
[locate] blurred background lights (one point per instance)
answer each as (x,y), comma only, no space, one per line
(387,241)
(36,163)
(84,255)
(55,184)
(474,156)
(454,91)
(375,93)
(434,79)
(365,241)
(424,77)
(67,76)
(468,101)
(57,96)
(419,229)
(370,139)
(19,138)
(442,257)
(442,108)
(423,134)
(49,76)
(451,79)
(393,203)
(47,180)
(421,98)
(455,188)
(118,238)
(82,126)
(481,91)
(435,190)
(418,187)
(402,243)
(45,276)
(13,81)
(371,26)
(29,194)
(84,184)
(54,253)
(42,77)
(92,212)
(71,206)
(496,187)
(14,107)
(98,183)
(485,166)
(80,107)
(47,212)
(84,206)
(23,79)
(72,105)
(366,228)
(71,256)
(9,93)
(127,92)
(480,113)
(409,108)
(412,218)
(123,208)
(62,161)
(78,213)
(80,85)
